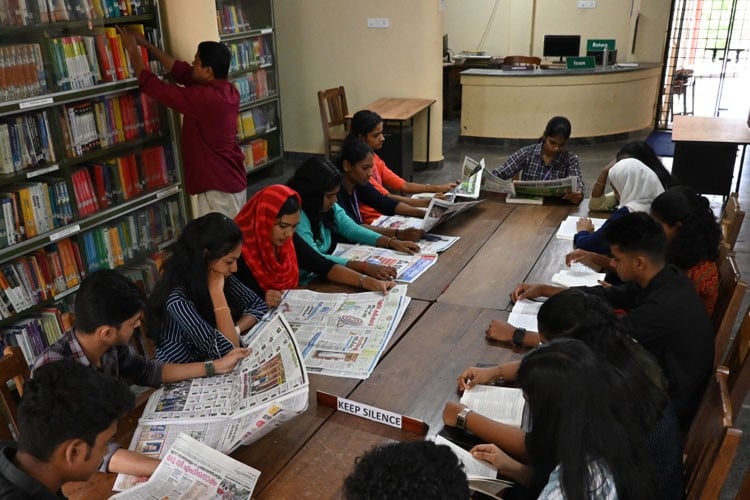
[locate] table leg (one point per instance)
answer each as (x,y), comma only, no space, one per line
(428,137)
(739,174)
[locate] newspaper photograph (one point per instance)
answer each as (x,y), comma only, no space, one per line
(408,267)
(192,470)
(268,388)
(343,334)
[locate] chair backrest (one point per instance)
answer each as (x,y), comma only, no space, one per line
(681,79)
(712,442)
(333,111)
(731,220)
(739,369)
(731,292)
(12,367)
(529,62)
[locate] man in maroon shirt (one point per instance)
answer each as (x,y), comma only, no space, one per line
(213,162)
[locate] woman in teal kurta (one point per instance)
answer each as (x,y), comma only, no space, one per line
(323,223)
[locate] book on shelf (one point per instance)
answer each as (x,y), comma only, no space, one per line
(25,142)
(23,71)
(267,388)
(231,19)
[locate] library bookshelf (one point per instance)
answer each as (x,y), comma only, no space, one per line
(89,175)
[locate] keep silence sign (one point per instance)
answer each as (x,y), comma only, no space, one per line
(372,413)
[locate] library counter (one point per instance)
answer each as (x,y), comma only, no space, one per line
(510,104)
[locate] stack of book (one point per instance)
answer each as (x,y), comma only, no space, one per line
(33,335)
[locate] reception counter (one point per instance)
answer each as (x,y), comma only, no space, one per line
(517,104)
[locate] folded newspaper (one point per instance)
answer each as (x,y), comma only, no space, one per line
(437,212)
(190,469)
(343,334)
(408,267)
(267,388)
(471,180)
(552,187)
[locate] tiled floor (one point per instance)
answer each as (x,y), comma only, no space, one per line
(593,157)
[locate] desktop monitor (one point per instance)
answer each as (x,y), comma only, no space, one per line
(562,46)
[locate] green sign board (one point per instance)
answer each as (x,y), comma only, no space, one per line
(580,62)
(599,45)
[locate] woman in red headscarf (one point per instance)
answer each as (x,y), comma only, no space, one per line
(272,254)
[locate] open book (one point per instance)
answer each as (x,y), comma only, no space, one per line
(267,388)
(568,230)
(190,469)
(502,404)
(437,212)
(408,267)
(577,275)
(523,314)
(529,189)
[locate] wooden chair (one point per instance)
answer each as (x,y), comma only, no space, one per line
(739,371)
(731,292)
(525,62)
(712,442)
(12,367)
(731,220)
(744,492)
(333,111)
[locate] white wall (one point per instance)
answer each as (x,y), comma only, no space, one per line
(326,43)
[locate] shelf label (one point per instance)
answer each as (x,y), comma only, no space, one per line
(266,31)
(168,192)
(65,232)
(42,171)
(36,102)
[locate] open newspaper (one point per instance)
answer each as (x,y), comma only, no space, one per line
(408,267)
(343,334)
(471,180)
(437,212)
(267,388)
(190,469)
(436,243)
(482,476)
(518,189)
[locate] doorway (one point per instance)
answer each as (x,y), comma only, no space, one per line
(707,61)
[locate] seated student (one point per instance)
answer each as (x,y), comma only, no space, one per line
(417,469)
(323,223)
(637,381)
(198,309)
(547,159)
(273,254)
(107,309)
(693,237)
(367,126)
(635,187)
(66,417)
(639,150)
(662,310)
(355,164)
(579,446)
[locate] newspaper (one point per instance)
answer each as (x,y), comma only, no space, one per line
(190,469)
(268,387)
(471,180)
(437,212)
(342,334)
(408,267)
(436,243)
(552,187)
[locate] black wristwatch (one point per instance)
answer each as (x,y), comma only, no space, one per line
(518,335)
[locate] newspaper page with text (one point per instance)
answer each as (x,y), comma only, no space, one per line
(408,267)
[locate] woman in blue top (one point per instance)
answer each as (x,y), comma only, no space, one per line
(323,223)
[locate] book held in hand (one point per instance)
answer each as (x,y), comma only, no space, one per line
(502,404)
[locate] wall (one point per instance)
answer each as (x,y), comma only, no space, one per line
(326,43)
(187,31)
(519,23)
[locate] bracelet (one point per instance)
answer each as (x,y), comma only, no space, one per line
(388,243)
(210,371)
(221,308)
(362,280)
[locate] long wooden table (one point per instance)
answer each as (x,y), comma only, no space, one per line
(441,334)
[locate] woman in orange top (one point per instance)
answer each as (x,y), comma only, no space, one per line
(368,126)
(693,239)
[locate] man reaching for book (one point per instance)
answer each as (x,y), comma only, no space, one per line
(108,309)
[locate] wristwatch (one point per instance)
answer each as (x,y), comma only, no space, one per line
(461,418)
(518,335)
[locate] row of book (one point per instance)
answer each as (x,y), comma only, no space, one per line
(46,273)
(257,120)
(25,141)
(33,335)
(32,208)
(250,54)
(231,19)
(30,12)
(103,122)
(100,185)
(82,61)
(255,85)
(256,152)
(22,72)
